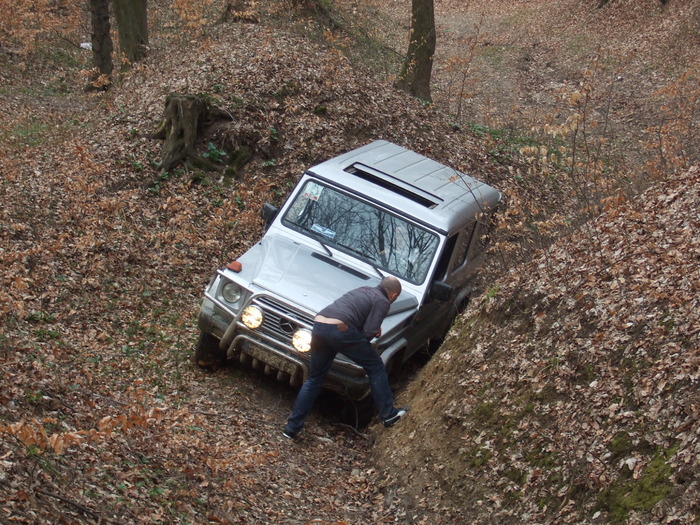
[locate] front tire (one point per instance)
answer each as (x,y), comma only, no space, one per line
(207,353)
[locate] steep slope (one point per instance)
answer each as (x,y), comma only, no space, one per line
(569,392)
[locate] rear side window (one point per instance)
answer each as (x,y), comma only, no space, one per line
(463,245)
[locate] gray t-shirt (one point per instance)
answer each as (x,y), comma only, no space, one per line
(363,308)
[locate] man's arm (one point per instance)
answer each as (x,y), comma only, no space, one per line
(373,323)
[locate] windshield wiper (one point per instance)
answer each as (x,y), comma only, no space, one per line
(325,246)
(370,260)
(314,235)
(376,269)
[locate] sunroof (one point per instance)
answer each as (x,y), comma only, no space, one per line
(392,183)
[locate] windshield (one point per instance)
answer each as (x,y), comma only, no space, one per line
(371,234)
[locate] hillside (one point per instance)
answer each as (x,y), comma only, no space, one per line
(513,66)
(569,392)
(103,417)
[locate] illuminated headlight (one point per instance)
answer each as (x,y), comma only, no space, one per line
(252,317)
(301,340)
(231,293)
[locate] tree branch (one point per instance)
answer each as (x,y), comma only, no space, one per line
(78,506)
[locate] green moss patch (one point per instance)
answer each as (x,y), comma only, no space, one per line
(628,494)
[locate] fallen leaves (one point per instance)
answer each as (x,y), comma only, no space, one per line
(103,269)
(584,370)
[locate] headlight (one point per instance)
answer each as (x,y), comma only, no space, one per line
(231,293)
(252,317)
(301,340)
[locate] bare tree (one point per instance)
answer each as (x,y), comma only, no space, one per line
(132,25)
(415,74)
(101,37)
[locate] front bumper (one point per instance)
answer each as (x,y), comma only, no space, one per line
(291,365)
(262,348)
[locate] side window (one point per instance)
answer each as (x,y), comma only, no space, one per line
(443,263)
(463,246)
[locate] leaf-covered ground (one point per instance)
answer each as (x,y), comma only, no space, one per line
(104,418)
(569,392)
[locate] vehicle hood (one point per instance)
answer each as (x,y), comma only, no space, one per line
(310,278)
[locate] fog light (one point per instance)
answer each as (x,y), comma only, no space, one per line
(301,340)
(252,317)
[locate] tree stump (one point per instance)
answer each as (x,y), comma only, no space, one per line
(182,120)
(189,122)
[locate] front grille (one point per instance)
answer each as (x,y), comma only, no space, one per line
(280,320)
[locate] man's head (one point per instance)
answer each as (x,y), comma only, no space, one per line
(392,286)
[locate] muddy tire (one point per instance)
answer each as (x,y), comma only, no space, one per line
(357,414)
(207,353)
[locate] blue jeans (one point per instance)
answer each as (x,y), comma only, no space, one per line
(326,342)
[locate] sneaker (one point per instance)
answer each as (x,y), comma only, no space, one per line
(288,434)
(389,422)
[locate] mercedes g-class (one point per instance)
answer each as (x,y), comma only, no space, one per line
(375,211)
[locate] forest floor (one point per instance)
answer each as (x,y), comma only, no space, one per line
(515,67)
(105,419)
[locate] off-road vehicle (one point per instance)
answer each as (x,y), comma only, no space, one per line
(375,211)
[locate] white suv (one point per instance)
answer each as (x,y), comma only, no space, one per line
(375,211)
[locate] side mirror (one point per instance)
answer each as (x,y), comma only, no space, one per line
(441,291)
(268,213)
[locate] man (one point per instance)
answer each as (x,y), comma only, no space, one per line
(347,326)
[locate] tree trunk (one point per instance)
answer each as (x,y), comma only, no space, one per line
(132,26)
(101,37)
(415,74)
